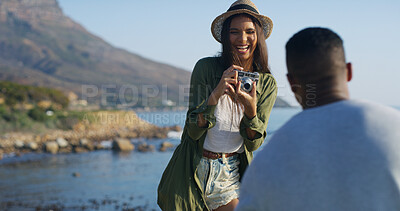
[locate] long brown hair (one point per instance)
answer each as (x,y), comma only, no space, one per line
(260,55)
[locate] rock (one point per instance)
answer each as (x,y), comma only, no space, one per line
(106,144)
(67,149)
(174,134)
(121,144)
(18,144)
(76,174)
(78,149)
(161,133)
(51,147)
(86,144)
(165,145)
(144,147)
(176,128)
(99,147)
(83,142)
(32,146)
(89,145)
(37,138)
(1,155)
(62,142)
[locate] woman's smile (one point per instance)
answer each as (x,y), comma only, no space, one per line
(242,49)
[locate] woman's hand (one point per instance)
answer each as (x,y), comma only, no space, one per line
(248,100)
(226,85)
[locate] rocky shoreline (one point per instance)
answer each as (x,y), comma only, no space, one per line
(91,204)
(88,135)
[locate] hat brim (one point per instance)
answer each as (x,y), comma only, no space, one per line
(216,26)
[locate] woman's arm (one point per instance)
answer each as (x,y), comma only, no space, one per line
(212,101)
(249,101)
(253,126)
(225,86)
(200,116)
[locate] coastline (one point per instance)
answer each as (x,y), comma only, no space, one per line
(88,135)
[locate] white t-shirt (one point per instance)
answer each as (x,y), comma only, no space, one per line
(341,156)
(225,136)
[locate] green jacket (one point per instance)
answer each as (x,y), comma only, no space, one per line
(178,188)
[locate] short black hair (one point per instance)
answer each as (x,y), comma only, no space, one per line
(314,52)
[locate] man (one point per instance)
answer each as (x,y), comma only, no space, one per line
(337,154)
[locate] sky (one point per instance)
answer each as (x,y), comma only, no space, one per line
(177,32)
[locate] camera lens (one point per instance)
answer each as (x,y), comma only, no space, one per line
(247,84)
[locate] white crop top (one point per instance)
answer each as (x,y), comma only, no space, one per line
(224,137)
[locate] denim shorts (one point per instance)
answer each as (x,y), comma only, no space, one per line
(219,180)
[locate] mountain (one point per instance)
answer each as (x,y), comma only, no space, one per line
(41,46)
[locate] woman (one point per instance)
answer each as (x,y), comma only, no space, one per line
(224,124)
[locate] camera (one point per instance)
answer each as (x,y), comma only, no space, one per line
(247,79)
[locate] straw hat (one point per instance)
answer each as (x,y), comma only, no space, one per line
(241,6)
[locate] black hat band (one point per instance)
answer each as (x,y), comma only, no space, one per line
(242,6)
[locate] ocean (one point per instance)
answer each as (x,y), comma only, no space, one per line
(106,180)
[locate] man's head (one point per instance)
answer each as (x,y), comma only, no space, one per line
(316,62)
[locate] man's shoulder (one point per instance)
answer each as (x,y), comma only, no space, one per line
(355,114)
(350,109)
(369,108)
